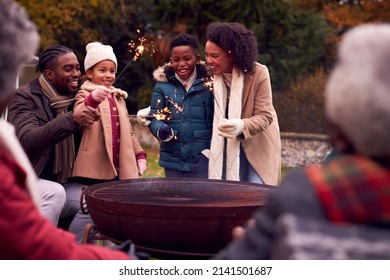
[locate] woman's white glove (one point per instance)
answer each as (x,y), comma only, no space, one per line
(142,163)
(231,128)
(141,116)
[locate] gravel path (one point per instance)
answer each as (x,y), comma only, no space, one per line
(303,152)
(297,149)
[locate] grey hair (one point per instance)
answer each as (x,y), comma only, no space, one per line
(19,40)
(357,94)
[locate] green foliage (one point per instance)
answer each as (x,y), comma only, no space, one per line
(301,109)
(290,33)
(154,170)
(290,40)
(75,23)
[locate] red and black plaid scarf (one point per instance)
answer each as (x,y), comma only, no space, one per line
(353,189)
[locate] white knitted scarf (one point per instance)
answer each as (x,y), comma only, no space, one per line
(13,147)
(217,142)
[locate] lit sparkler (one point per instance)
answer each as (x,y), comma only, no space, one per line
(209,83)
(137,48)
(163,114)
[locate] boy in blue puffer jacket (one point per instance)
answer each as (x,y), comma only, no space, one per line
(180,90)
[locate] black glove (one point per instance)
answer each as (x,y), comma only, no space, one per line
(129,248)
(164,132)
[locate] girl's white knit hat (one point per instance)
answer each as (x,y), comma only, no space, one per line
(97,52)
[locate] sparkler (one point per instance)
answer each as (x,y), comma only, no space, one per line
(208,82)
(163,114)
(137,48)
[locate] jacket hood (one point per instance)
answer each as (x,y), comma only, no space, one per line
(89,86)
(166,72)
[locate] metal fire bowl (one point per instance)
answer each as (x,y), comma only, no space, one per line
(182,215)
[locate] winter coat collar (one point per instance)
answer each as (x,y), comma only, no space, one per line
(89,86)
(165,72)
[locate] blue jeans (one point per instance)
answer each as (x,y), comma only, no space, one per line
(247,173)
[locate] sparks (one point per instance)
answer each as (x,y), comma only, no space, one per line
(141,45)
(137,49)
(209,83)
(163,115)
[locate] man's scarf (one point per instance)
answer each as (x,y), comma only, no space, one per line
(353,189)
(217,142)
(64,151)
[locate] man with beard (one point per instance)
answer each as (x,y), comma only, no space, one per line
(48,130)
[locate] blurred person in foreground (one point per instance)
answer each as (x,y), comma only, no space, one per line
(24,232)
(353,187)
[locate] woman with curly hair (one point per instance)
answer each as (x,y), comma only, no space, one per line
(246,143)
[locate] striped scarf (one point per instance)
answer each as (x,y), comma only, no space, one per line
(64,150)
(353,189)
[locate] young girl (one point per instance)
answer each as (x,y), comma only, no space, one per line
(109,149)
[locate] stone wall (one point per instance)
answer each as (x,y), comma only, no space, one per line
(297,149)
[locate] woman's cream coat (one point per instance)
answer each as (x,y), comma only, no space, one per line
(261,141)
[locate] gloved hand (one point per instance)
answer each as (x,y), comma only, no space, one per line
(231,128)
(129,248)
(165,133)
(100,93)
(141,163)
(141,114)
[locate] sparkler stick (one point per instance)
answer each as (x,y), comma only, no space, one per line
(137,48)
(149,117)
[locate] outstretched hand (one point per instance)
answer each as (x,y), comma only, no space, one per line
(141,116)
(100,93)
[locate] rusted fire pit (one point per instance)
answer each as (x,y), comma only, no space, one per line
(180,216)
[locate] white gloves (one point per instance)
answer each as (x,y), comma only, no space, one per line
(231,128)
(141,166)
(141,114)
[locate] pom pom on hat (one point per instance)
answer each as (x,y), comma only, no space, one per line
(97,52)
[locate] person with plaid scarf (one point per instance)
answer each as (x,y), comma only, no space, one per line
(352,188)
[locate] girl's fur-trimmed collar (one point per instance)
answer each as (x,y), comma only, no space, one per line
(89,86)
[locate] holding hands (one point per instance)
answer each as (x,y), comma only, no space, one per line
(100,93)
(231,128)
